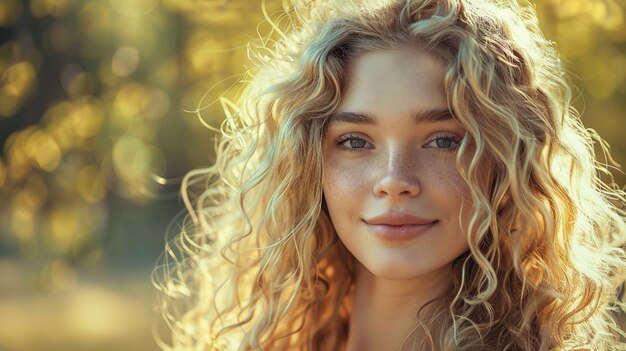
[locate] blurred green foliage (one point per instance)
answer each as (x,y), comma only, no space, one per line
(96,128)
(94,105)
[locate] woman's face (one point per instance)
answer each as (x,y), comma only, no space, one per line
(394,194)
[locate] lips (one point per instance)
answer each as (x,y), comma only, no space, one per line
(393,226)
(397,219)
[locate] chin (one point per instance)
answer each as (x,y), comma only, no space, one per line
(391,272)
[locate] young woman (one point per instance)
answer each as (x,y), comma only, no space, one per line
(408,175)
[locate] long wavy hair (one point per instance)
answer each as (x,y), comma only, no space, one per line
(258,265)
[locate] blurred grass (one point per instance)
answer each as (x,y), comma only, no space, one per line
(95,135)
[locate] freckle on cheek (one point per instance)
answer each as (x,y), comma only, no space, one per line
(341,180)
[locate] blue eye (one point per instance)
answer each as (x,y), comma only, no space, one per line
(352,143)
(445,142)
(356,143)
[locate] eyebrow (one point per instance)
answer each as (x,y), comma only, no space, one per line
(434,115)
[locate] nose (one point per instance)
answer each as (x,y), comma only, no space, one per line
(399,177)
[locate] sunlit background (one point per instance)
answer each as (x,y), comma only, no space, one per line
(96,131)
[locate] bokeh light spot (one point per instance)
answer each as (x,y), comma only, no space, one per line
(64,227)
(124,152)
(86,119)
(41,148)
(59,125)
(22,221)
(131,100)
(607,14)
(125,61)
(17,161)
(18,79)
(201,53)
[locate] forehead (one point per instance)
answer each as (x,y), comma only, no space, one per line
(395,81)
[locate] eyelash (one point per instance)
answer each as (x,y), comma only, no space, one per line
(452,137)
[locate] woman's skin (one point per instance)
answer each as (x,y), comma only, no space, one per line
(401,159)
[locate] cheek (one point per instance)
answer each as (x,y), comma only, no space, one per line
(443,185)
(441,173)
(343,183)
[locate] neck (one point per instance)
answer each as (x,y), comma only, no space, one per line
(384,312)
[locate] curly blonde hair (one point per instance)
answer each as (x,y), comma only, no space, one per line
(258,265)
